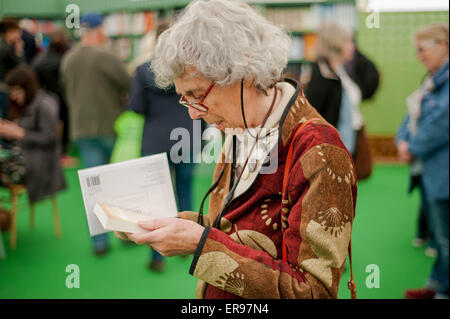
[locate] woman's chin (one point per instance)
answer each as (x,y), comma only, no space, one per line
(221,125)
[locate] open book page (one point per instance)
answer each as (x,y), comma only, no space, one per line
(141,185)
(117,219)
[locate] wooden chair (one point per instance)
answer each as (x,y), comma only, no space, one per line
(15,191)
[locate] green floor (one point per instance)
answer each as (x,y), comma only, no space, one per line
(383,230)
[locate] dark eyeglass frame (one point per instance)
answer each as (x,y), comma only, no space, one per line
(197,105)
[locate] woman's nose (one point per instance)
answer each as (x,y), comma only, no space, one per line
(196,114)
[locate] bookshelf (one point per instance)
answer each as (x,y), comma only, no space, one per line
(300,19)
(127,21)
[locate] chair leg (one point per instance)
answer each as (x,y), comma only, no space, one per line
(2,247)
(32,215)
(13,235)
(56,217)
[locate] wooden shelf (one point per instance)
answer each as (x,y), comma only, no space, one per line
(129,36)
(301,61)
(300,33)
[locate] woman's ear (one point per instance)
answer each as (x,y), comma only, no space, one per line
(443,46)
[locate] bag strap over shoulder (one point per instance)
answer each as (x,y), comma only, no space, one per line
(351,283)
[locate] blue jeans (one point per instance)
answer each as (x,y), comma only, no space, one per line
(94,152)
(424,223)
(183,189)
(438,213)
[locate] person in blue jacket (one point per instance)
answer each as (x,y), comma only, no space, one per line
(423,141)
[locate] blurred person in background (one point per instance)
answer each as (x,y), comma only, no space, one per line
(163,114)
(47,66)
(332,91)
(423,141)
(32,125)
(11,51)
(95,84)
(30,48)
(364,73)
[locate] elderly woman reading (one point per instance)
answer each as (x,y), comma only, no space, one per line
(283,233)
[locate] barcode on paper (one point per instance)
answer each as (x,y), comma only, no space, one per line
(93,181)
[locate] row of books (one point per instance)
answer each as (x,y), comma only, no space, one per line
(306,18)
(310,18)
(302,47)
(129,23)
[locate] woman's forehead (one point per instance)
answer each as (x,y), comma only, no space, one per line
(190,82)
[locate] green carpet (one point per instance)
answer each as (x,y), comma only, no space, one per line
(383,230)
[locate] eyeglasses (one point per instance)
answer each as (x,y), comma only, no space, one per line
(197,105)
(425,46)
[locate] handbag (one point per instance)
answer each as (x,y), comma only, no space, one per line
(351,283)
(363,156)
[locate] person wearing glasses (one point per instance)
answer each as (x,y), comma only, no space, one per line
(273,231)
(423,142)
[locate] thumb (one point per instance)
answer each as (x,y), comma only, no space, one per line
(150,224)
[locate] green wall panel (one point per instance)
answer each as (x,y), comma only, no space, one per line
(32,8)
(391,48)
(124,5)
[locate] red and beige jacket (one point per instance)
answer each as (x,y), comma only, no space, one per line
(241,257)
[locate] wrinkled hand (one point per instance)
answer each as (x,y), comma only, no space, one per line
(168,236)
(403,152)
(10,130)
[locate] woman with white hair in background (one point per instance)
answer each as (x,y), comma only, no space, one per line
(423,141)
(273,231)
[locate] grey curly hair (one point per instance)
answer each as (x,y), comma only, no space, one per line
(226,41)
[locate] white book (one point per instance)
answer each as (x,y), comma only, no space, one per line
(117,219)
(142,186)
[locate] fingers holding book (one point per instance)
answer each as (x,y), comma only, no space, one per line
(169,236)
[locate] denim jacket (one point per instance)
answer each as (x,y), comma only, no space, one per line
(431,142)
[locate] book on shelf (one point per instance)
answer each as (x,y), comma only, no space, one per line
(309,44)
(309,18)
(128,24)
(296,49)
